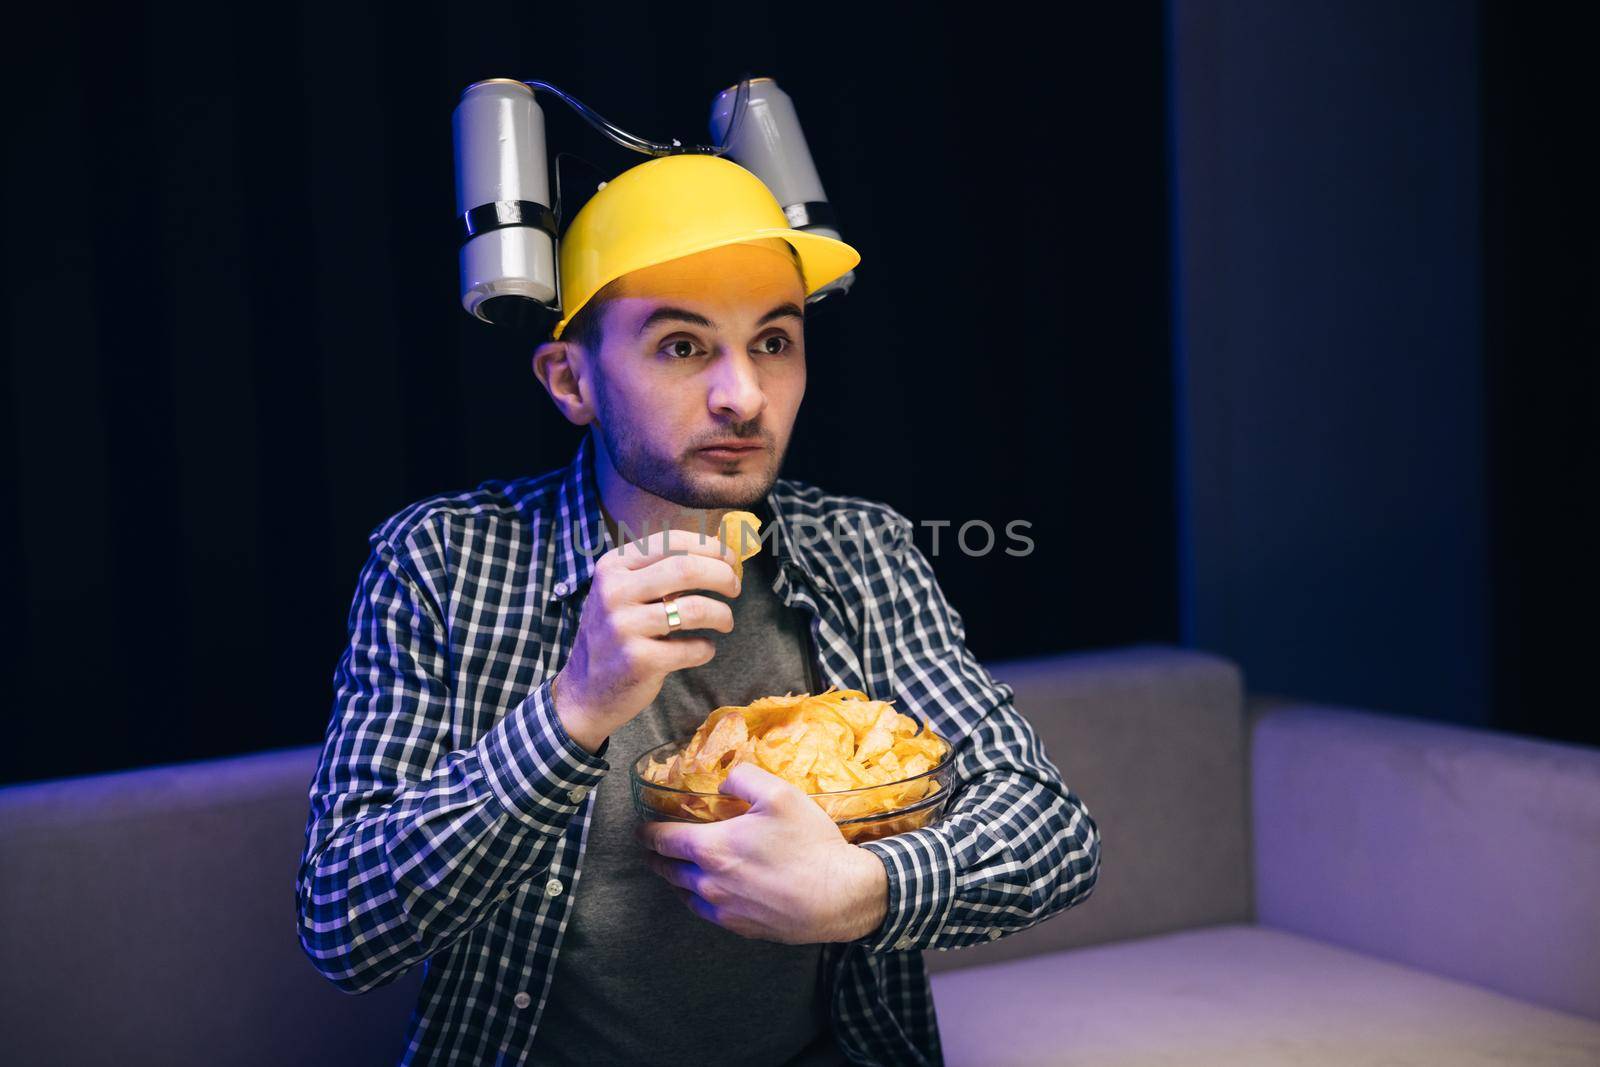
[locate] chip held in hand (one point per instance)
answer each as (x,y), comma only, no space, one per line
(741,532)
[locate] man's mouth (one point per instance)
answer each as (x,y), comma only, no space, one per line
(730,449)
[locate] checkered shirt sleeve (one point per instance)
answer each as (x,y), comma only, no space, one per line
(411,841)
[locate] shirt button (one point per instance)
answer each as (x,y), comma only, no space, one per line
(522,1000)
(553,887)
(994,932)
(561,589)
(505,894)
(578,794)
(903,944)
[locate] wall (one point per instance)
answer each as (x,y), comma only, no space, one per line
(1329,361)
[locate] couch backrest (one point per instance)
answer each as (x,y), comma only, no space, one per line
(1464,851)
(1151,738)
(149,917)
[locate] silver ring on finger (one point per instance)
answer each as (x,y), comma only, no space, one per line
(674,620)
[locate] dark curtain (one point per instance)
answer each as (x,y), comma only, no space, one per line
(235,345)
(1542,295)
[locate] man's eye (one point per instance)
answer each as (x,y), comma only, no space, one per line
(766,343)
(682,348)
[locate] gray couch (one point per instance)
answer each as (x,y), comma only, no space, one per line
(1279,884)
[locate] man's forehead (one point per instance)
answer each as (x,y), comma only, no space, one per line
(711,281)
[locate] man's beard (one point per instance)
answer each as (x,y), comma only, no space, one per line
(665,477)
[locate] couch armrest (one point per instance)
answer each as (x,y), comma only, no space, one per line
(1467,852)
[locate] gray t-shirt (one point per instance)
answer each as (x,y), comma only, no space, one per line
(640,978)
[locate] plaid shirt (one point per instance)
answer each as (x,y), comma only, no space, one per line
(449,807)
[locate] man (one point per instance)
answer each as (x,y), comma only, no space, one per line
(514,648)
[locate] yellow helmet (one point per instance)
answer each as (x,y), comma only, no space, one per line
(675,206)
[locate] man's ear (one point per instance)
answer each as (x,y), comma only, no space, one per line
(560,368)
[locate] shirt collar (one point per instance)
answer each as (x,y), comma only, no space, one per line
(581,535)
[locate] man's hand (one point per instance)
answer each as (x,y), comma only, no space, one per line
(779,872)
(624,649)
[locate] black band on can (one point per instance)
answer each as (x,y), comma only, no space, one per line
(811,213)
(498,214)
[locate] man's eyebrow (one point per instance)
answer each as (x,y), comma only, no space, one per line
(780,311)
(674,314)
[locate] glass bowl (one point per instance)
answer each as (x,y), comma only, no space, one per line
(862,814)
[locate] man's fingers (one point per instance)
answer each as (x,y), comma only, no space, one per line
(675,574)
(679,873)
(675,840)
(663,655)
(756,784)
(664,544)
(694,613)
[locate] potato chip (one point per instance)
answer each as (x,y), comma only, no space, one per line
(741,532)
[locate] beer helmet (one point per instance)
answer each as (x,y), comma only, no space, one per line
(525,266)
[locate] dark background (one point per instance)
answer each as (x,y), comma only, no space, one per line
(1276,322)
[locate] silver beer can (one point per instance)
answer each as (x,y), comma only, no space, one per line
(503,202)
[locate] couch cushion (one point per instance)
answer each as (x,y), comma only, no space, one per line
(1468,852)
(1238,995)
(1151,738)
(149,917)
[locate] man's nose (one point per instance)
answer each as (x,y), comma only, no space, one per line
(735,387)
